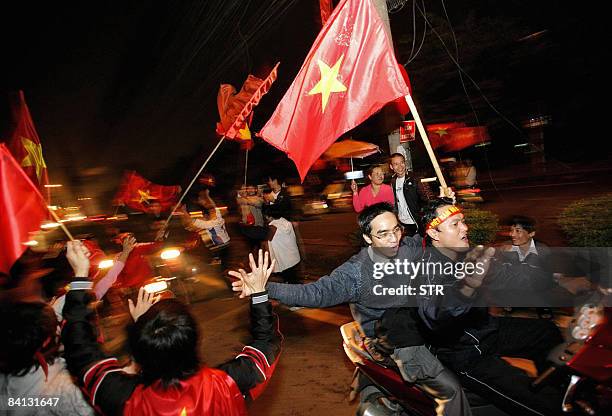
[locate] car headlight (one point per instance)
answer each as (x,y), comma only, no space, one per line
(589,316)
(170,253)
(155,287)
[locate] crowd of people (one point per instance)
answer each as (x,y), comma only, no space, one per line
(51,345)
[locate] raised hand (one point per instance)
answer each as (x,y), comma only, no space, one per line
(255,281)
(128,244)
(143,303)
(482,258)
(354,187)
(78,257)
(447,192)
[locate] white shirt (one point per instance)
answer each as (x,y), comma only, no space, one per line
(215,228)
(403,213)
(283,247)
(532,250)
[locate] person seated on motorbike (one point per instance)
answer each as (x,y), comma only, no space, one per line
(542,291)
(468,339)
(356,282)
(164,344)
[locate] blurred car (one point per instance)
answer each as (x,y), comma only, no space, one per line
(339,196)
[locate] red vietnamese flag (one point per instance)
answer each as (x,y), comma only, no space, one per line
(25,146)
(349,74)
(231,103)
(137,193)
(439,133)
(463,137)
(22,209)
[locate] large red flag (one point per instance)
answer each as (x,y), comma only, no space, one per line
(349,73)
(25,146)
(137,193)
(22,209)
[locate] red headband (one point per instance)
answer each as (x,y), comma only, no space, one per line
(450,212)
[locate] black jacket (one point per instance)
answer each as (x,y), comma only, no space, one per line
(108,387)
(453,324)
(280,208)
(416,194)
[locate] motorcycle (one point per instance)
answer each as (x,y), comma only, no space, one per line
(584,363)
(383,392)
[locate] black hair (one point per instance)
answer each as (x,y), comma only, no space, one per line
(164,342)
(429,212)
(396,155)
(371,169)
(369,213)
(527,223)
(25,326)
(274,175)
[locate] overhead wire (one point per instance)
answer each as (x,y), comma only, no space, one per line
(413,56)
(196,38)
(461,70)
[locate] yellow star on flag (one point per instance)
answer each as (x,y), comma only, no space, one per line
(183,412)
(245,133)
(441,132)
(144,196)
(329,82)
(34,156)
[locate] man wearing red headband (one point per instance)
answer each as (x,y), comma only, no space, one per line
(467,339)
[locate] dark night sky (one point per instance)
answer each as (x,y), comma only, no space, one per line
(132,84)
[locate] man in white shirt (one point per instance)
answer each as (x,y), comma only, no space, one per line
(282,244)
(409,192)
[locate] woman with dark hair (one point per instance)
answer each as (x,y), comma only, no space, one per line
(30,366)
(373,193)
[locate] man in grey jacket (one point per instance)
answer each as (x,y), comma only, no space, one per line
(360,281)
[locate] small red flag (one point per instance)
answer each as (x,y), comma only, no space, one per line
(25,146)
(230,105)
(440,133)
(349,74)
(22,209)
(236,111)
(137,193)
(464,137)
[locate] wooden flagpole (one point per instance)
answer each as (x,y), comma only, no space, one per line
(246,166)
(444,187)
(192,182)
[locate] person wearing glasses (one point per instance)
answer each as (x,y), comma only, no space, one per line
(370,293)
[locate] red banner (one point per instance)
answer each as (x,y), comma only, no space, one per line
(247,108)
(407,131)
